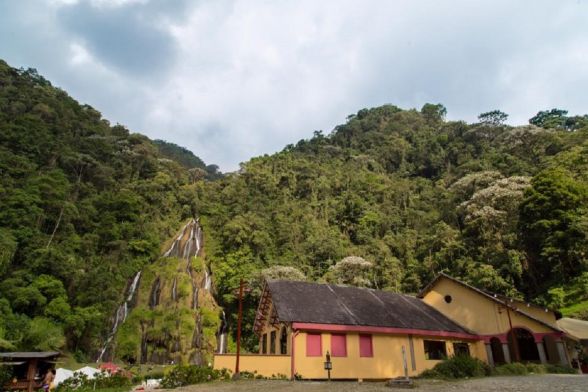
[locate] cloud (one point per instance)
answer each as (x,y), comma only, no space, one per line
(235,79)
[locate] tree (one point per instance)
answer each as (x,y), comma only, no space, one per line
(352,270)
(282,272)
(554,118)
(552,223)
(494,117)
(433,112)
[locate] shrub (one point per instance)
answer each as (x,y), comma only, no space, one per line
(459,366)
(191,374)
(5,375)
(81,383)
(535,368)
(511,369)
(559,369)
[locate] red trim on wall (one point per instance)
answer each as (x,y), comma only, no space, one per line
(381,330)
(538,336)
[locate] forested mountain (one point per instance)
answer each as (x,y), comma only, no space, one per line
(502,207)
(187,159)
(83,206)
(386,200)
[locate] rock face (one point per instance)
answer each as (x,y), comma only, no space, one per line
(172,317)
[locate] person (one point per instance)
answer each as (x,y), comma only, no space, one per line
(48,384)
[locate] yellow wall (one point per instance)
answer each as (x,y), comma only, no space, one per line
(386,361)
(537,312)
(264,365)
(474,311)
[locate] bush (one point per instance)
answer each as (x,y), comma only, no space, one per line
(191,374)
(459,366)
(519,369)
(81,383)
(535,368)
(511,369)
(559,369)
(5,375)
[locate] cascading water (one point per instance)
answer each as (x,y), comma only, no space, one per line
(121,314)
(175,290)
(187,245)
(155,292)
(222,334)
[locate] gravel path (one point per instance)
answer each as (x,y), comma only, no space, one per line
(537,383)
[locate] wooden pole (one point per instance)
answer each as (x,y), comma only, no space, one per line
(239,321)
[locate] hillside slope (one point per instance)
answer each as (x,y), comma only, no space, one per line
(84,206)
(501,207)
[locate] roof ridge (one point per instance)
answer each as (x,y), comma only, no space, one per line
(343,305)
(386,307)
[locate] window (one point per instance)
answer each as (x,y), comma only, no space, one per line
(273,342)
(338,345)
(314,346)
(461,349)
(264,343)
(365,346)
(284,341)
(448,299)
(435,349)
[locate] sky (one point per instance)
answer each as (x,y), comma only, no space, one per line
(231,80)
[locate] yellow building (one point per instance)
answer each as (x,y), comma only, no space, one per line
(372,334)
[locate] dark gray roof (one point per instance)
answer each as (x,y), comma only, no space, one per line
(28,355)
(332,304)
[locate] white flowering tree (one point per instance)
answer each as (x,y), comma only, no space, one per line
(282,272)
(353,271)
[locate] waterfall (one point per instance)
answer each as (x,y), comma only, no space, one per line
(175,290)
(186,245)
(222,334)
(174,250)
(121,314)
(133,287)
(207,279)
(155,292)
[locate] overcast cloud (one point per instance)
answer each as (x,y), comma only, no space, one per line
(234,79)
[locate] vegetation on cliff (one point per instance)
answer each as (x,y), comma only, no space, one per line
(502,207)
(85,205)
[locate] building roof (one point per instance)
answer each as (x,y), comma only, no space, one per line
(574,327)
(502,300)
(29,355)
(305,302)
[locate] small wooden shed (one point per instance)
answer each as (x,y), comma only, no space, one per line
(29,368)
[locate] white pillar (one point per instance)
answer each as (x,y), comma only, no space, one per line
(561,351)
(489,354)
(541,350)
(506,352)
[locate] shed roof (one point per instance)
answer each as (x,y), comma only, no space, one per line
(305,302)
(29,355)
(574,327)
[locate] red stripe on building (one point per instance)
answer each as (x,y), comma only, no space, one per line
(381,330)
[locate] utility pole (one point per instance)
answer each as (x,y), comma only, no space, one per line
(239,321)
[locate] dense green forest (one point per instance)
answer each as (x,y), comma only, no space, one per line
(85,205)
(410,194)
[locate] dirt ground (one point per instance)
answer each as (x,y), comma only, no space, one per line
(536,383)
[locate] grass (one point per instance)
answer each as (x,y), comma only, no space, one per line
(580,308)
